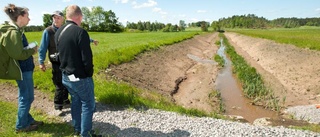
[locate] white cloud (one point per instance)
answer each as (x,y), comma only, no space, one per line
(121,1)
(201,11)
(66,0)
(318,10)
(193,20)
(159,10)
(150,3)
(182,15)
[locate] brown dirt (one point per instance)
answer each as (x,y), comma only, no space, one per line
(41,101)
(183,70)
(292,73)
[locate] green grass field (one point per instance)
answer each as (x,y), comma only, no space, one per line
(303,37)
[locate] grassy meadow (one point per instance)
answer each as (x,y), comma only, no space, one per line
(303,37)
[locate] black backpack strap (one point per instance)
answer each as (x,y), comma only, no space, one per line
(64,29)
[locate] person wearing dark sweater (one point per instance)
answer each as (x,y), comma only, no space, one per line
(75,55)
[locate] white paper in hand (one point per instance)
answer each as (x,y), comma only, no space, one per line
(73,78)
(31,45)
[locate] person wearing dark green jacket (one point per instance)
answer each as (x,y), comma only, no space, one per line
(16,63)
(11,51)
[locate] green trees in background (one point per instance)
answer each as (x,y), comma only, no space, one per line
(243,21)
(204,26)
(101,21)
(182,25)
(96,19)
(47,20)
(252,21)
(145,26)
(199,24)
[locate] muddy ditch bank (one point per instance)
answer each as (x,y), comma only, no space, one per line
(291,72)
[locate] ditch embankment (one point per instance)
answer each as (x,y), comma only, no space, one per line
(183,71)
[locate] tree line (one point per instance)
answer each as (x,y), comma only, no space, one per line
(97,19)
(251,21)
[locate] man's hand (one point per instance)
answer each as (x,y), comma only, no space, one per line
(42,67)
(95,42)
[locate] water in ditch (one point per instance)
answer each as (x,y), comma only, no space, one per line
(234,101)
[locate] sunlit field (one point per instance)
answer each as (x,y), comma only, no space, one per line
(304,37)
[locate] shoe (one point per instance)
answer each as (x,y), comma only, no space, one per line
(37,123)
(76,134)
(95,135)
(27,129)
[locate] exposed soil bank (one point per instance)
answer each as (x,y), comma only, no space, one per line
(293,73)
(184,70)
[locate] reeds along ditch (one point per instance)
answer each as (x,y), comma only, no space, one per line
(251,82)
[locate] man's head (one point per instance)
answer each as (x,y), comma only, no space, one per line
(74,14)
(57,18)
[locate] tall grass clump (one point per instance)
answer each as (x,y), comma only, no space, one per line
(217,57)
(251,82)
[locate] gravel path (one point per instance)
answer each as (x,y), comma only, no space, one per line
(116,122)
(308,113)
(152,122)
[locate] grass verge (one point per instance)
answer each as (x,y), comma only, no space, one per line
(53,127)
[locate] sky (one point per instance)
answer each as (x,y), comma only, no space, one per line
(172,11)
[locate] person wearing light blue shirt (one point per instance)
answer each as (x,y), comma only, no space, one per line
(48,44)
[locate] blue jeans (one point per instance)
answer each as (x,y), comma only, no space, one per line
(82,103)
(25,99)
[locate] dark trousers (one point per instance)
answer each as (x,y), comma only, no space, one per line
(61,93)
